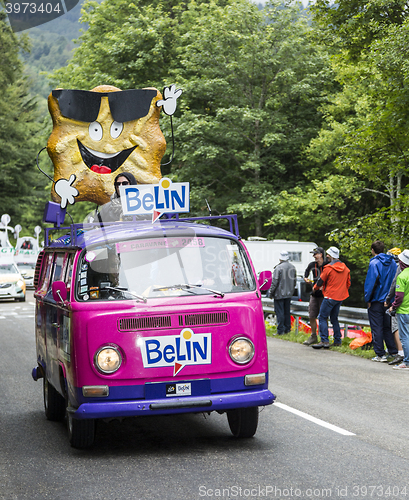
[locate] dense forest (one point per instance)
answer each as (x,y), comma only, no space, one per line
(294,119)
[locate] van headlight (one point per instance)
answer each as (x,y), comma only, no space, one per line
(108,359)
(241,350)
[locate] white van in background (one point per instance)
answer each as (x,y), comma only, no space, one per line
(266,254)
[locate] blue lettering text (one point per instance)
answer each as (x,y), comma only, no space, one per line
(198,349)
(133,202)
(154,350)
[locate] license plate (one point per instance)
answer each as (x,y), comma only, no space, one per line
(154,390)
(179,389)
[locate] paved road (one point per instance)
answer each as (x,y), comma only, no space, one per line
(363,452)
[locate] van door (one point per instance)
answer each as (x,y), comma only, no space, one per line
(52,322)
(40,292)
(63,316)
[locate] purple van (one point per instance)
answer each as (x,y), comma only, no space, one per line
(135,318)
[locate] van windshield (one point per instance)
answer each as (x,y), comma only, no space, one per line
(160,267)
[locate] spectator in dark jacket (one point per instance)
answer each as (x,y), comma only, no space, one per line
(381,271)
(398,358)
(316,298)
(282,289)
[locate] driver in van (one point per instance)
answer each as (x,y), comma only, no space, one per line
(316,296)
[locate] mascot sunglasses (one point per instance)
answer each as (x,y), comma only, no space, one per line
(125,105)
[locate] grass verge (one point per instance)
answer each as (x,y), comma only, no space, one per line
(299,339)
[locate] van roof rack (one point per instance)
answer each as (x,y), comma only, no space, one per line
(53,214)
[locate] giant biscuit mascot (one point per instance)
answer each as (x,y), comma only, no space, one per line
(100,133)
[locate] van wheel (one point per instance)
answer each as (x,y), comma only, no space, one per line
(243,422)
(54,403)
(81,433)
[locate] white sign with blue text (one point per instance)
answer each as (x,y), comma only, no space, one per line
(155,199)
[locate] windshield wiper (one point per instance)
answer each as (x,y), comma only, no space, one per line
(122,289)
(187,286)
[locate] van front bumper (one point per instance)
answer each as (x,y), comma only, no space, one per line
(167,406)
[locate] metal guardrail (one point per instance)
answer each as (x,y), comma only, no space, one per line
(347,315)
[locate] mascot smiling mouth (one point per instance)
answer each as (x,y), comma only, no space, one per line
(103,163)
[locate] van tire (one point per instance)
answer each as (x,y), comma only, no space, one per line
(81,433)
(243,422)
(54,403)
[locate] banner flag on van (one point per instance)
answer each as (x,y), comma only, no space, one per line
(155,199)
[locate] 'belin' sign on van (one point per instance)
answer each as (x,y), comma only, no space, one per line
(155,199)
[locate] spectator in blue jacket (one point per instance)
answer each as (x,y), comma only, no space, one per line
(381,272)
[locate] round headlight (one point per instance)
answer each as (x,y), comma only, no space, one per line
(241,350)
(108,359)
(20,283)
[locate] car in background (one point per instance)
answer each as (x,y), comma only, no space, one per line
(12,284)
(27,270)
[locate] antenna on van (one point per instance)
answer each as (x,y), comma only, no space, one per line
(208,206)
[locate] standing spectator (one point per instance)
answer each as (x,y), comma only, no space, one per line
(335,281)
(398,358)
(316,296)
(401,306)
(381,271)
(282,289)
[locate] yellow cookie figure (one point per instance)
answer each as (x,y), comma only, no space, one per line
(100,133)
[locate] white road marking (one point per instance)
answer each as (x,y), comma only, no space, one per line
(314,419)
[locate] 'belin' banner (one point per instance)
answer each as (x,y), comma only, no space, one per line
(155,199)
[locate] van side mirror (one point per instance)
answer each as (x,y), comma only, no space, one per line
(59,291)
(264,280)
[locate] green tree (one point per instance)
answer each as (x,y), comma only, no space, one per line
(369,129)
(353,25)
(20,185)
(252,84)
(250,112)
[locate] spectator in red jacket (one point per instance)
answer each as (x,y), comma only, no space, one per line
(334,282)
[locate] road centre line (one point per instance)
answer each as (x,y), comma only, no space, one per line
(314,419)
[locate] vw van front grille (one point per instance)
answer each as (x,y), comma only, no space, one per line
(215,318)
(147,323)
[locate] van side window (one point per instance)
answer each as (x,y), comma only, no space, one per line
(57,275)
(68,271)
(46,273)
